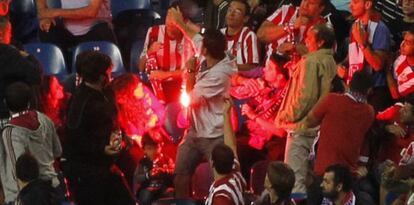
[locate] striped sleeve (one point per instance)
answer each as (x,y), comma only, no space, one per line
(146,43)
(251,51)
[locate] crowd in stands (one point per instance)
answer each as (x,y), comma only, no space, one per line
(287,101)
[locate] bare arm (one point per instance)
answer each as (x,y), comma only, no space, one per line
(269,32)
(89,11)
(229,137)
(375,58)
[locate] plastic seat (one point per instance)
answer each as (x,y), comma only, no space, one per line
(105,47)
(54,4)
(23,6)
(257,176)
(50,57)
(136,50)
(118,6)
(201,181)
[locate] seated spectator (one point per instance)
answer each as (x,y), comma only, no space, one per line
(154,173)
(28,130)
(33,190)
(82,21)
(404,65)
(337,186)
(229,184)
(408,10)
(279,182)
(265,96)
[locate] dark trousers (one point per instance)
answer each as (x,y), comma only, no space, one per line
(65,40)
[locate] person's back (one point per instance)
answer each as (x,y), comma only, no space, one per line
(343,128)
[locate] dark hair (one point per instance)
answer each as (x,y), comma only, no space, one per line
(27,167)
(280,61)
(326,34)
(91,65)
(147,141)
(215,43)
(185,7)
(342,175)
(282,179)
(246,6)
(223,159)
(361,82)
(410,99)
(325,3)
(18,96)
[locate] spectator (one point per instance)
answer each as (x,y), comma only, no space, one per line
(337,186)
(154,173)
(206,90)
(408,10)
(310,81)
(215,14)
(28,130)
(33,191)
(277,31)
(344,121)
(279,182)
(404,65)
(81,21)
(229,184)
(93,138)
(368,48)
(164,55)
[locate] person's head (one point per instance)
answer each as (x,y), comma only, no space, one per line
(27,168)
(172,31)
(279,180)
(360,8)
(149,146)
(18,96)
(320,36)
(407,45)
(94,67)
(222,159)
(274,71)
(337,179)
(408,8)
(5,30)
(407,111)
(237,13)
(4,7)
(361,82)
(214,44)
(312,8)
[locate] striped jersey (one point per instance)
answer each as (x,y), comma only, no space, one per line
(173,54)
(243,46)
(228,190)
(404,74)
(288,14)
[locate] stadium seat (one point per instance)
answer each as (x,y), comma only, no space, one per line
(105,47)
(50,57)
(201,181)
(54,3)
(118,6)
(23,6)
(257,176)
(136,50)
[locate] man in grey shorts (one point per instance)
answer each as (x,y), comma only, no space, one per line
(208,85)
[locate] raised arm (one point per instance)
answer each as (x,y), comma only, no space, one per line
(229,136)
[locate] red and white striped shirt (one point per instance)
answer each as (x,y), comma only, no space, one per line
(405,76)
(228,190)
(173,54)
(288,14)
(243,46)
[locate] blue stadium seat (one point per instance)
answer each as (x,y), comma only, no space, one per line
(50,57)
(118,6)
(257,176)
(23,6)
(105,47)
(54,3)
(136,50)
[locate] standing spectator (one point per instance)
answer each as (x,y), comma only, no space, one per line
(344,121)
(368,49)
(241,41)
(215,14)
(404,65)
(279,182)
(229,185)
(28,130)
(337,186)
(93,138)
(34,191)
(310,81)
(165,52)
(287,22)
(207,86)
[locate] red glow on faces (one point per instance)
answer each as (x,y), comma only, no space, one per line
(138,109)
